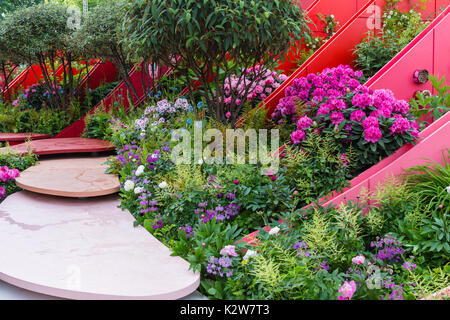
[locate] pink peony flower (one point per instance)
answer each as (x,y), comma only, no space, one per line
(359,259)
(347,290)
(228,114)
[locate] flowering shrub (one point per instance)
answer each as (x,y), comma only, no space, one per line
(7,177)
(253,86)
(37,96)
(374,123)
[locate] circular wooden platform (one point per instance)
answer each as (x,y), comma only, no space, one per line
(61,146)
(70,177)
(85,249)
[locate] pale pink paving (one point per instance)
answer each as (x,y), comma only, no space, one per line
(70,177)
(85,249)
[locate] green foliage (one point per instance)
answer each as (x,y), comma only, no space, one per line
(46,120)
(39,35)
(203,34)
(435,106)
(19,162)
(318,168)
(377,49)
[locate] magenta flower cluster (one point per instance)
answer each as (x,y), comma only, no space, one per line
(336,100)
(315,89)
(7,175)
(253,85)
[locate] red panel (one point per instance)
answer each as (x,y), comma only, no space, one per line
(442,48)
(118,94)
(427,51)
(399,78)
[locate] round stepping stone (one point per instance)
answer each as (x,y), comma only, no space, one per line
(85,249)
(61,146)
(70,177)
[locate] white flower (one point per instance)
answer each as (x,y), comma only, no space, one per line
(274,231)
(129,185)
(448,189)
(249,254)
(200,162)
(138,190)
(163,185)
(140,170)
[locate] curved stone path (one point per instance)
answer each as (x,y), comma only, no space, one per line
(85,249)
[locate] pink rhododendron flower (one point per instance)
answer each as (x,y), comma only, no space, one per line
(2,192)
(336,117)
(228,251)
(370,122)
(347,290)
(401,125)
(359,259)
(304,123)
(228,114)
(298,136)
(372,134)
(357,115)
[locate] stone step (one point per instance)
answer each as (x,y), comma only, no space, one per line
(61,146)
(85,249)
(79,177)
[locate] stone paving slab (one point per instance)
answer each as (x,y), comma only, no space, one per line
(70,177)
(61,146)
(85,249)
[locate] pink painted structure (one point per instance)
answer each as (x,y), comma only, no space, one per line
(428,51)
(338,50)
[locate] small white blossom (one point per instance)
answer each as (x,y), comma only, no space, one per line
(138,190)
(249,254)
(448,189)
(129,185)
(274,231)
(140,170)
(163,185)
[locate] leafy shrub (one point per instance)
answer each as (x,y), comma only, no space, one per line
(210,32)
(435,106)
(374,123)
(376,50)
